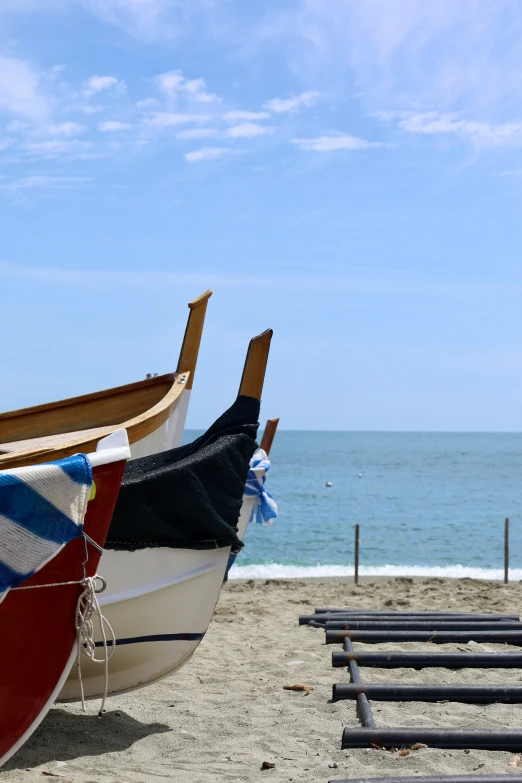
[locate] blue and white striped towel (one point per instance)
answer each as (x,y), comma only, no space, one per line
(265,507)
(42,508)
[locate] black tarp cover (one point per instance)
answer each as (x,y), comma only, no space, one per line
(189,497)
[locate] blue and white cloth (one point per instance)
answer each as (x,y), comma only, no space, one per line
(265,507)
(42,508)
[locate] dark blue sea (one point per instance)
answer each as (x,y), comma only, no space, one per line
(429,504)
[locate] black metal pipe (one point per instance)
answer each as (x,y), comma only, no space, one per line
(421,660)
(421,617)
(478,739)
(396,613)
(438,637)
(323,618)
(424,625)
(362,700)
(432,779)
(469,694)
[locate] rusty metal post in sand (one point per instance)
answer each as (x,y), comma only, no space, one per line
(356,558)
(506,551)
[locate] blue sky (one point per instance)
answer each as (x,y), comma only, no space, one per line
(348,172)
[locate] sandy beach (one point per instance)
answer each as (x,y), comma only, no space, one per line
(227,712)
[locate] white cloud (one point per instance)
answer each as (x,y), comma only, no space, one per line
(112,126)
(147,103)
(85,108)
(66,130)
(432,122)
(414,52)
(206,153)
(247,130)
(294,103)
(19,90)
(41,181)
(480,134)
(197,89)
(106,279)
(57,148)
(143,19)
(173,84)
(239,115)
(373,284)
(510,173)
(197,133)
(97,84)
(164,119)
(334,141)
(170,82)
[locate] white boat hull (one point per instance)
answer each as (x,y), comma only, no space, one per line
(168,435)
(159,603)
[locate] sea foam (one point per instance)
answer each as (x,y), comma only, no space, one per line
(279,571)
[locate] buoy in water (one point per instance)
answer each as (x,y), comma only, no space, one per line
(328,484)
(359,475)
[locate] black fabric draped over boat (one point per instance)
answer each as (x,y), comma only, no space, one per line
(189,497)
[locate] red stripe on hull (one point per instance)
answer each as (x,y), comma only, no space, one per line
(37,627)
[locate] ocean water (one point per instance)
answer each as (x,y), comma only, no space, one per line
(427,504)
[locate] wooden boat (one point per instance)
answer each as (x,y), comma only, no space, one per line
(160,600)
(153,412)
(38,625)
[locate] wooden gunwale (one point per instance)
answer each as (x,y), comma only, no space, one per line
(140,407)
(116,390)
(137,428)
(73,413)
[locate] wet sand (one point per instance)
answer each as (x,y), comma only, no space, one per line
(227,712)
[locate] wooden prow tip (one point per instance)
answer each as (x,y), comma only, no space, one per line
(254,370)
(199,300)
(188,357)
(268,435)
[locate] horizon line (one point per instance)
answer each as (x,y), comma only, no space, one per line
(391,432)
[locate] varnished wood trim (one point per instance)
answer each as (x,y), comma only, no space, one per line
(188,356)
(137,428)
(110,406)
(255,365)
(201,299)
(116,390)
(87,411)
(269,434)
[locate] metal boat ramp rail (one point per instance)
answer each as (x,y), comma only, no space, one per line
(346,626)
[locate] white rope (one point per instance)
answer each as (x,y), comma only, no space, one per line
(51,584)
(87,609)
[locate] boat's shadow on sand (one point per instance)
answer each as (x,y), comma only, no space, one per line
(64,736)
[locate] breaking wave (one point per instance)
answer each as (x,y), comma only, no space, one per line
(280,571)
